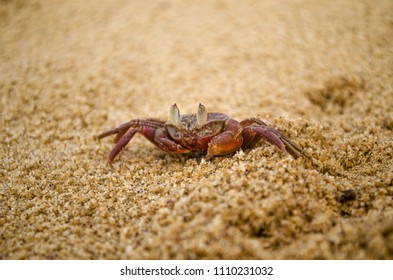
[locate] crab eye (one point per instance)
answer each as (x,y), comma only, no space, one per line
(174,116)
(173,131)
(201,115)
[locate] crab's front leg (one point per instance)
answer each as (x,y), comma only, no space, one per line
(228,141)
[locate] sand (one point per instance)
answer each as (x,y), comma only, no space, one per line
(321,71)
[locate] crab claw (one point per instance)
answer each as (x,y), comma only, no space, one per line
(174,116)
(201,115)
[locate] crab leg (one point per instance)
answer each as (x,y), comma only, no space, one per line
(123,128)
(251,121)
(151,129)
(255,129)
(121,144)
(124,135)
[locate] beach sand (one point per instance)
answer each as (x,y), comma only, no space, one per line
(320,71)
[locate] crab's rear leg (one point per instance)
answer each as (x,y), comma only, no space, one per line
(255,129)
(124,134)
(121,144)
(157,136)
(122,129)
(119,131)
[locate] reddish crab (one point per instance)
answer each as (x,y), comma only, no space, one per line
(203,132)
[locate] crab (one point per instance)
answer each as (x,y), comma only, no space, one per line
(213,134)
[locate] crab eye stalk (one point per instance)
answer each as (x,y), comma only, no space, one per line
(174,116)
(201,115)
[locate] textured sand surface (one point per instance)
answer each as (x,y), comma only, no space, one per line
(321,71)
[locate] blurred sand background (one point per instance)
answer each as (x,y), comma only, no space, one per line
(321,71)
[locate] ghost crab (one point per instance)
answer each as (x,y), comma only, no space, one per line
(211,133)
